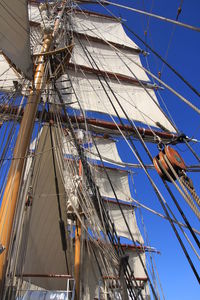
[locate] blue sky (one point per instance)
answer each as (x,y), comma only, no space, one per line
(175,274)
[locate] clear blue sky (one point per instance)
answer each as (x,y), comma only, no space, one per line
(176,276)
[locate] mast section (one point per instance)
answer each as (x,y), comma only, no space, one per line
(77,258)
(10,197)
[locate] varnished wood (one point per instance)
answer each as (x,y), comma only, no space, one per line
(9,200)
(77,257)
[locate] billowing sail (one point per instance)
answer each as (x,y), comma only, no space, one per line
(75,217)
(106,148)
(119,180)
(14,35)
(111,97)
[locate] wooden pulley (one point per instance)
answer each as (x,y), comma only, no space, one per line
(160,163)
(157,167)
(175,158)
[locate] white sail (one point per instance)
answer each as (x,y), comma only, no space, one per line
(107,149)
(108,281)
(34,12)
(93,95)
(92,92)
(103,27)
(119,222)
(93,274)
(107,58)
(14,35)
(119,180)
(139,272)
(36,38)
(80,88)
(8,75)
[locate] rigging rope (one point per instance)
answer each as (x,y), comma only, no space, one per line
(158,55)
(163,83)
(171,37)
(186,195)
(95,191)
(165,209)
(155,16)
(163,60)
(91,58)
(191,189)
(180,241)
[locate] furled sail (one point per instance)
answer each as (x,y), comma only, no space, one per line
(14,35)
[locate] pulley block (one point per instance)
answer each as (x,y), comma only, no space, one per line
(169,164)
(161,165)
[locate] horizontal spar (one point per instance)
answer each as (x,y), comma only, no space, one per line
(45,275)
(9,112)
(117,278)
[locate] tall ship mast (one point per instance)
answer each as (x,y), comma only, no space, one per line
(81,124)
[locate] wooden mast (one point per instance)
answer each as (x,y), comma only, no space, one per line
(77,257)
(10,197)
(15,173)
